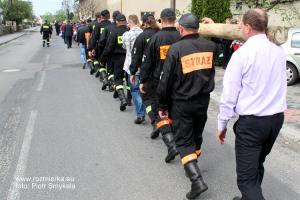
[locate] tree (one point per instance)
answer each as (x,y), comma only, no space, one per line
(76,8)
(87,8)
(71,15)
(288,13)
(266,4)
(48,16)
(60,15)
(17,11)
(215,9)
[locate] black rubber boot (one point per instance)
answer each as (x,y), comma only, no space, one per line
(155,132)
(102,74)
(92,70)
(108,82)
(111,88)
(116,94)
(97,67)
(105,84)
(122,98)
(172,151)
(198,186)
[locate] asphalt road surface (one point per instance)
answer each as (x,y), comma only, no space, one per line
(62,138)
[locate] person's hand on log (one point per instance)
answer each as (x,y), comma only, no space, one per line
(207,20)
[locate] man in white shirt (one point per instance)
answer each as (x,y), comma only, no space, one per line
(254,87)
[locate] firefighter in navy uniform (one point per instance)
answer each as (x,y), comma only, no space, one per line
(184,90)
(140,44)
(105,16)
(93,46)
(46,30)
(114,49)
(108,81)
(151,68)
(150,28)
(92,51)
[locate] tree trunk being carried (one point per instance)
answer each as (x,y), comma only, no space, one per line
(276,34)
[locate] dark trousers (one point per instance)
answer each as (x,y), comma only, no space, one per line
(189,118)
(46,38)
(150,100)
(68,40)
(255,137)
(109,65)
(118,63)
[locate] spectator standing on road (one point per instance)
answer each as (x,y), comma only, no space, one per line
(129,38)
(254,87)
(68,34)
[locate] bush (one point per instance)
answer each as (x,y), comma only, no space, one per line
(215,9)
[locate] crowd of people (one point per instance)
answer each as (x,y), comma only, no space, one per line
(168,73)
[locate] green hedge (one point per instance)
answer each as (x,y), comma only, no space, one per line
(215,9)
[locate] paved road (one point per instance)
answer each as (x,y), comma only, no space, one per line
(63,139)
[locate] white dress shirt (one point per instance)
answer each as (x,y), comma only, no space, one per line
(254,82)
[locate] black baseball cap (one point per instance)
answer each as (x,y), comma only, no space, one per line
(121,17)
(104,13)
(146,16)
(189,20)
(168,13)
(97,14)
(115,14)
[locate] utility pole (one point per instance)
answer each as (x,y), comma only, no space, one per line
(121,6)
(173,4)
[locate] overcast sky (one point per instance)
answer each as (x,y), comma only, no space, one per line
(42,6)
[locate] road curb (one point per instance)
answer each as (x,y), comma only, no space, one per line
(22,34)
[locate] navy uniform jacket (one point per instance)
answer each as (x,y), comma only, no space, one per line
(188,71)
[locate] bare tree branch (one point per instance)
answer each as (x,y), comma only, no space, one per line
(276,2)
(87,8)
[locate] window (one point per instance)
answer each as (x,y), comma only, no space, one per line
(147,12)
(296,40)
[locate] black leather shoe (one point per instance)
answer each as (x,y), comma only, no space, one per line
(139,120)
(237,198)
